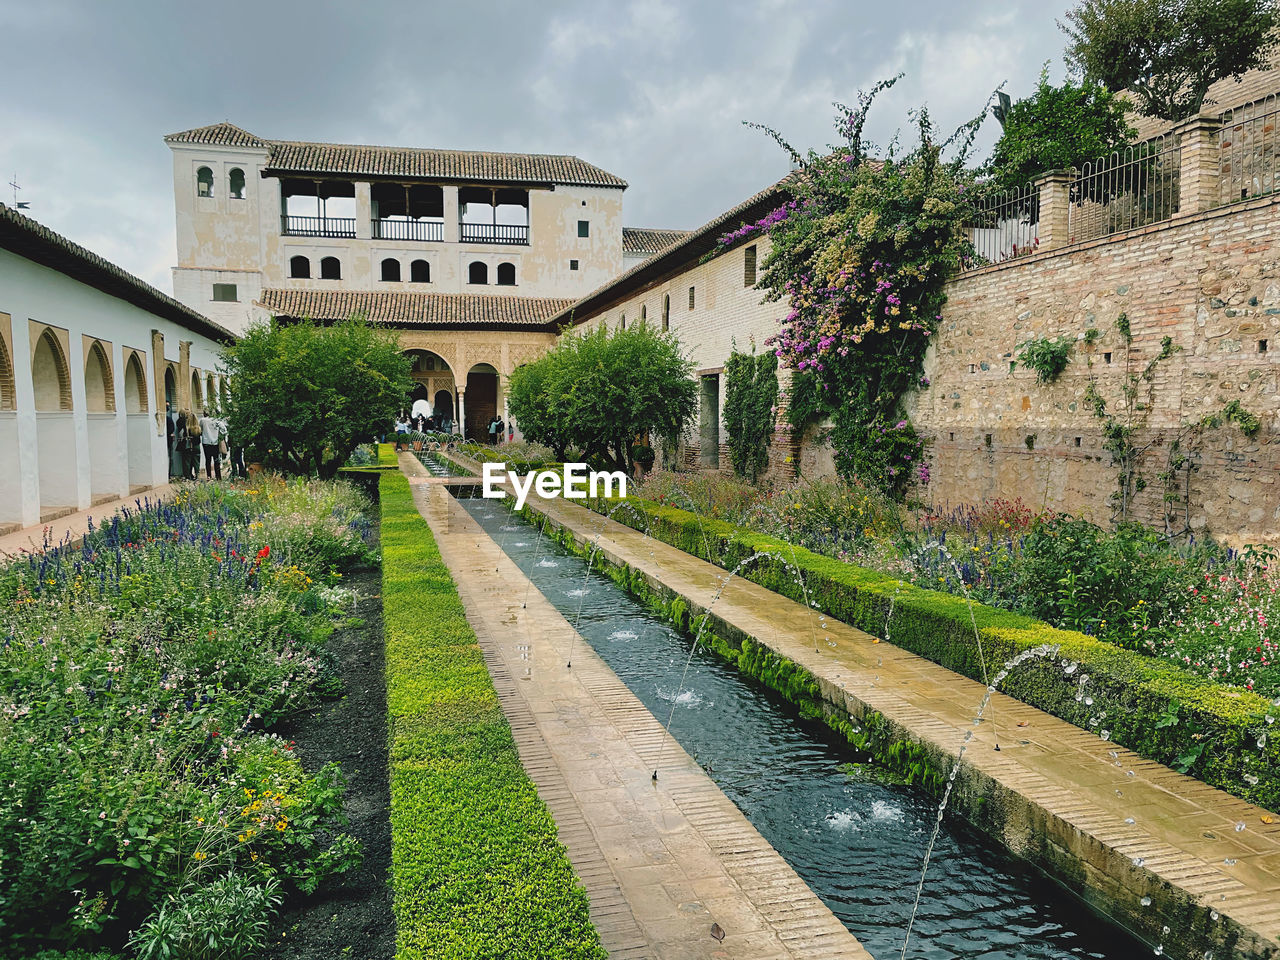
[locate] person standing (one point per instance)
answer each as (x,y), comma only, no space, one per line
(191,451)
(210,438)
(170,431)
(493,430)
(178,456)
(235,448)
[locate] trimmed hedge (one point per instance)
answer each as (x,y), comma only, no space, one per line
(387,455)
(476,868)
(1216,733)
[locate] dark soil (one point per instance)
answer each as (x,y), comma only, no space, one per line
(350,915)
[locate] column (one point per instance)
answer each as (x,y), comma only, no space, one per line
(1055,208)
(157,383)
(451,214)
(364,211)
(184,376)
(1198,164)
(462,412)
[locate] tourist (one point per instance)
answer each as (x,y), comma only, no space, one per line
(170,432)
(191,448)
(494,426)
(402,423)
(211,441)
(235,447)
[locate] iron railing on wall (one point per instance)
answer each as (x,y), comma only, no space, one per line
(1133,187)
(1247,150)
(493,233)
(1004,224)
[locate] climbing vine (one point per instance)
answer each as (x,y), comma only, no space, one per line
(861,253)
(1120,430)
(750,404)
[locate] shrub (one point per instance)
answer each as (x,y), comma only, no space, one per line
(476,868)
(225,919)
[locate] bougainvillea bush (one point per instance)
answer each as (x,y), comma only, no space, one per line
(861,253)
(142,794)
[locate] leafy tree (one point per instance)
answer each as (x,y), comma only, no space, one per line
(1055,128)
(306,395)
(1167,53)
(600,389)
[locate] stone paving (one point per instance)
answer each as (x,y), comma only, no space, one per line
(661,861)
(74,525)
(1147,827)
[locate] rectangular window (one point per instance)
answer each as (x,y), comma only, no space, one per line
(749,266)
(691,298)
(584,228)
(225,293)
(573,264)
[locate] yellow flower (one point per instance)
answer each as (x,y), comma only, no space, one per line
(282,825)
(199,856)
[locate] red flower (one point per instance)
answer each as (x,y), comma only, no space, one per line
(264,552)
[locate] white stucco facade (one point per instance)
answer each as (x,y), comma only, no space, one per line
(82,391)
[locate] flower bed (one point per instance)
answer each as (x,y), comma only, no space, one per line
(1224,736)
(141,798)
(477,870)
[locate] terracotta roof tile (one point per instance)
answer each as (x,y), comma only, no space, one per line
(221,134)
(34,241)
(649,240)
(415,309)
(294,156)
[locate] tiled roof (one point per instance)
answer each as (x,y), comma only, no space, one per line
(222,134)
(35,242)
(689,249)
(415,309)
(291,156)
(648,240)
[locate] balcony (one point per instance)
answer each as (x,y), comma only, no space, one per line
(407,230)
(296,226)
(515,234)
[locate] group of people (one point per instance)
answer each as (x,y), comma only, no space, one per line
(423,424)
(189,436)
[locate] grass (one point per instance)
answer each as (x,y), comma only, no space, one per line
(477,870)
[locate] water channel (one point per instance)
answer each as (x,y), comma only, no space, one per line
(856,838)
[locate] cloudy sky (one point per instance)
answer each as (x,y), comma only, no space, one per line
(654,91)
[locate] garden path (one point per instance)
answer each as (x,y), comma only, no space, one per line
(1132,826)
(660,862)
(74,525)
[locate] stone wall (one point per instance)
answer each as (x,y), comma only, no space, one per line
(1210,282)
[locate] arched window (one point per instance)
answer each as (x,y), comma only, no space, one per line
(300,268)
(99,391)
(420,271)
(666,312)
(330,268)
(391,269)
(135,386)
(235,183)
(49,374)
(8,397)
(644,312)
(211,395)
(506,274)
(197,394)
(204,182)
(622,322)
(477,273)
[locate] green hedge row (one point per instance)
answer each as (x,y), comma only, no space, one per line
(1224,736)
(477,870)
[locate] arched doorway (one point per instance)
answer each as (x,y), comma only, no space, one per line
(138,433)
(431,376)
(104,440)
(482,400)
(197,394)
(173,408)
(57,451)
(442,404)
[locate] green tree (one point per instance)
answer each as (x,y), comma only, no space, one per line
(306,395)
(601,389)
(1056,128)
(1167,53)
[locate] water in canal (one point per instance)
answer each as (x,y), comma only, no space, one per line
(857,841)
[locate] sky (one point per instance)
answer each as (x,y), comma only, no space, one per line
(653,91)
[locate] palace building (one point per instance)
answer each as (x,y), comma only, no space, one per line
(468,254)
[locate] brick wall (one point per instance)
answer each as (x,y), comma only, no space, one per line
(1210,282)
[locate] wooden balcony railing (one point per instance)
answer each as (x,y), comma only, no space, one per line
(408,230)
(294,226)
(493,233)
